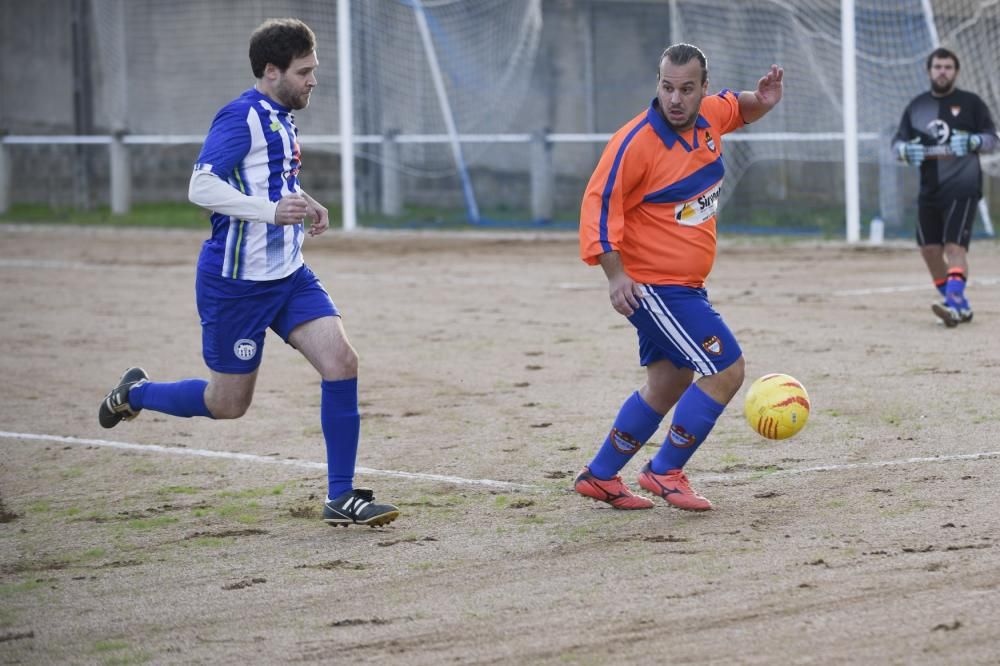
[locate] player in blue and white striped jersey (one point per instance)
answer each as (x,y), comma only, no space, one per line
(251,275)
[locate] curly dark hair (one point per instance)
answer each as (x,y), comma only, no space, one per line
(681,54)
(279,41)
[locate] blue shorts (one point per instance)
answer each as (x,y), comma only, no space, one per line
(236,313)
(679,324)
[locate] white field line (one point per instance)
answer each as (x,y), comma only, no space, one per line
(894,290)
(249,457)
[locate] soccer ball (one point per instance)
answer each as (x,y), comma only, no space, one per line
(777,406)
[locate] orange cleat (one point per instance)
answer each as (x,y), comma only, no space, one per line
(613,491)
(673,487)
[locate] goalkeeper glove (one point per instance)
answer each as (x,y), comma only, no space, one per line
(963,143)
(910,153)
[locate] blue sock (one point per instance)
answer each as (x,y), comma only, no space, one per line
(942,287)
(955,288)
(184,398)
(341,422)
(694,417)
(636,422)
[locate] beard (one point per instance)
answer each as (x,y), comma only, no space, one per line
(292,99)
(939,89)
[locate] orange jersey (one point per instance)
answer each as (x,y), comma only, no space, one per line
(654,194)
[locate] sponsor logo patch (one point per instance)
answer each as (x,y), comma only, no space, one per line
(245,349)
(699,210)
(712,344)
(680,437)
(624,443)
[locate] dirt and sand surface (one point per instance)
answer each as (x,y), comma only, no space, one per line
(491,368)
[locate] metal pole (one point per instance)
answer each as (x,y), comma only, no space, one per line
(852,196)
(472,208)
(345,89)
(392,201)
(121,176)
(541,178)
(4,178)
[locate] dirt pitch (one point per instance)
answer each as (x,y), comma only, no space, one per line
(871,537)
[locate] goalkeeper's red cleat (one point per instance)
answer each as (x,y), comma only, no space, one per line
(612,491)
(674,487)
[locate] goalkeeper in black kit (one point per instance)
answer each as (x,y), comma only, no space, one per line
(943,131)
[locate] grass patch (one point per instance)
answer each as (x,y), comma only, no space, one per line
(178,490)
(253,492)
(10,589)
(184,215)
(241,513)
(110,646)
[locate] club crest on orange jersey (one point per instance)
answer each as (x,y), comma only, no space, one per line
(712,344)
(709,141)
(624,443)
(680,438)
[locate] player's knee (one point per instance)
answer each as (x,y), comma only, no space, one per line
(731,379)
(345,362)
(229,407)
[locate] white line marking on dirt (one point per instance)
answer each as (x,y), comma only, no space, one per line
(249,457)
(710,478)
(895,290)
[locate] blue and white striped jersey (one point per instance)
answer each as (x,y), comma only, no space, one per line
(252,145)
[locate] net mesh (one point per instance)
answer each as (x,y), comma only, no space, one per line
(567,67)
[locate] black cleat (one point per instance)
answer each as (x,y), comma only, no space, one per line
(948,314)
(358,507)
(115,407)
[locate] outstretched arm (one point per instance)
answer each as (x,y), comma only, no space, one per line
(753,105)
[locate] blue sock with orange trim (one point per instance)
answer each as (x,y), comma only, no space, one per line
(636,422)
(694,417)
(185,398)
(955,287)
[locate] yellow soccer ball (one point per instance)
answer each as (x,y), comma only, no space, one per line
(777,406)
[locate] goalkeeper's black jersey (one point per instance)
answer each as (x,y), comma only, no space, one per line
(944,177)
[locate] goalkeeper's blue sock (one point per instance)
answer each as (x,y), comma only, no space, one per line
(185,398)
(941,285)
(636,422)
(341,423)
(694,417)
(955,288)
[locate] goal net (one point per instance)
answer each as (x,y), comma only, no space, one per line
(448,94)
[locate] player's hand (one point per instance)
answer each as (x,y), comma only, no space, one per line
(320,218)
(770,87)
(624,294)
(292,209)
(910,153)
(319,215)
(963,143)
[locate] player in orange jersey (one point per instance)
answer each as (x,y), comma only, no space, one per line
(648,219)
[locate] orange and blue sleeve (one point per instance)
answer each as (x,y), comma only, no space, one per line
(602,213)
(724,108)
